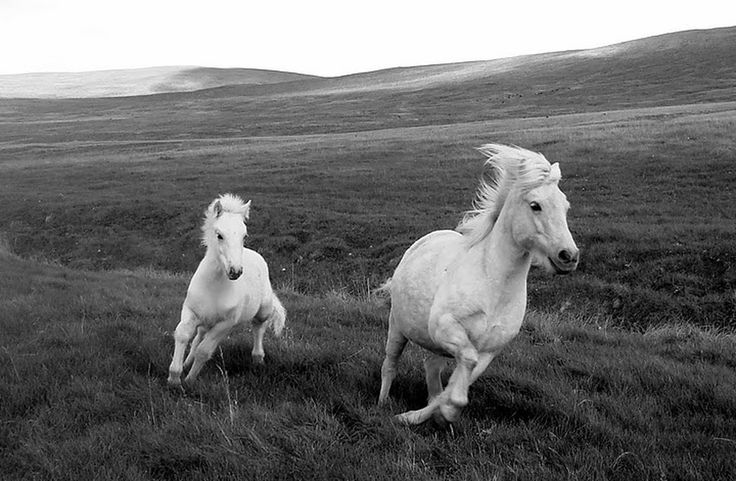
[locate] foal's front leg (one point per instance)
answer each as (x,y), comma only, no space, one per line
(193,347)
(207,346)
(184,332)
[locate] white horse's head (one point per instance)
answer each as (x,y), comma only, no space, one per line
(539,224)
(225,231)
(525,186)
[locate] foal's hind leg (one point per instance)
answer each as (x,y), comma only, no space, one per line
(395,344)
(259,328)
(182,335)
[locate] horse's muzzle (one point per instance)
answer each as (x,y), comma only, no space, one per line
(566,261)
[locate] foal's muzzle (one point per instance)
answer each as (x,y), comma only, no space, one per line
(233,273)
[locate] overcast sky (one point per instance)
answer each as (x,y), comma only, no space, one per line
(323,37)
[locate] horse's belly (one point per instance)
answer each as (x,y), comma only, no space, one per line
(415,283)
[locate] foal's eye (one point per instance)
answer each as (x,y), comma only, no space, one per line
(535,206)
(219,236)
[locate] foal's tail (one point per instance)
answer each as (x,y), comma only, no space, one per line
(277,319)
(384,290)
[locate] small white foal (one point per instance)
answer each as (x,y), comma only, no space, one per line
(231,286)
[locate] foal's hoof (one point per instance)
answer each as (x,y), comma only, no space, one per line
(257,359)
(176,385)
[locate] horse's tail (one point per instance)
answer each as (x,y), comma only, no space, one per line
(277,319)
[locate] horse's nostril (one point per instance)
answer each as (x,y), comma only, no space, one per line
(565,256)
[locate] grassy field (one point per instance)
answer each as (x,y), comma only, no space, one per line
(624,370)
(84,394)
(650,190)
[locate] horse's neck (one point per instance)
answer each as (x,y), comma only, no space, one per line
(505,265)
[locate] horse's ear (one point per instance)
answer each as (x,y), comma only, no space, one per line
(554,172)
(217,208)
(246,210)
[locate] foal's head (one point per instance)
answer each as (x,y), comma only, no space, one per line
(225,231)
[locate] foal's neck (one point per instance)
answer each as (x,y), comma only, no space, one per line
(211,265)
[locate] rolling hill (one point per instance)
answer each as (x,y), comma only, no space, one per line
(681,68)
(127,82)
(671,60)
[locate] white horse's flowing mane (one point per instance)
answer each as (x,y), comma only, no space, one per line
(511,167)
(224,203)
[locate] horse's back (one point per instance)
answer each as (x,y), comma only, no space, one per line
(417,278)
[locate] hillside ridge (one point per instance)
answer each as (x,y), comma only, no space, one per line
(703,51)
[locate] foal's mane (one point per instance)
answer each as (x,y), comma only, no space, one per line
(224,203)
(511,168)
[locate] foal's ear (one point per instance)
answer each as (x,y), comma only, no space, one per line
(217,208)
(246,210)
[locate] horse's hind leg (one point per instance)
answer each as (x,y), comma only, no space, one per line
(433,366)
(184,332)
(395,344)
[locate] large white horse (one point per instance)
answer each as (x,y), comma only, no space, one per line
(230,286)
(462,294)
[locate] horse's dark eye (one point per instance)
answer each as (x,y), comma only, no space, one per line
(535,206)
(219,236)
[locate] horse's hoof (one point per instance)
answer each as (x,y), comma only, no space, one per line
(449,413)
(440,420)
(257,359)
(408,418)
(402,419)
(459,400)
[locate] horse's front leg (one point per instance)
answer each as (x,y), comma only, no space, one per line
(484,359)
(184,332)
(452,337)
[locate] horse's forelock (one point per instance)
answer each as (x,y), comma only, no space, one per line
(512,167)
